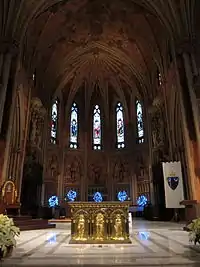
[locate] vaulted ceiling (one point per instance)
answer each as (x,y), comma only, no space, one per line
(118,44)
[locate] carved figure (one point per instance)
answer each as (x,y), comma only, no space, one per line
(157,130)
(96,175)
(73,172)
(33,128)
(99,226)
(119,172)
(81,228)
(53,166)
(37,123)
(118,227)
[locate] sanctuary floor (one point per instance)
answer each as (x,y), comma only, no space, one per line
(153,244)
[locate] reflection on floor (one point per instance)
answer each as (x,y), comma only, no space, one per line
(153,244)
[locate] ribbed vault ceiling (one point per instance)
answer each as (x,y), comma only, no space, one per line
(117,43)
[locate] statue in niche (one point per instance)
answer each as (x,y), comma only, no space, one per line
(96,174)
(33,127)
(53,166)
(157,130)
(37,123)
(73,172)
(119,172)
(39,131)
(68,174)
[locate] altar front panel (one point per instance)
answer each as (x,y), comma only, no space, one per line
(105,222)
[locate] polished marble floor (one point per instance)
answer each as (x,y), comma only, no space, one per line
(153,244)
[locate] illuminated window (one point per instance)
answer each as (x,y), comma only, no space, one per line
(120,126)
(140,122)
(96,128)
(54,122)
(74,127)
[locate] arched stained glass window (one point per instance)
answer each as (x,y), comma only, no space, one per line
(74,127)
(96,128)
(140,122)
(54,122)
(120,126)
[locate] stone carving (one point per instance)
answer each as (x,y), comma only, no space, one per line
(99,226)
(157,130)
(118,227)
(53,167)
(72,172)
(81,228)
(37,123)
(96,174)
(121,173)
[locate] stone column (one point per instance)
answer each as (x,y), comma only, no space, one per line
(6,163)
(187,59)
(190,150)
(7,50)
(151,187)
(35,125)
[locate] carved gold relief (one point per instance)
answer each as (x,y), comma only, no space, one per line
(118,228)
(81,228)
(100,227)
(105,222)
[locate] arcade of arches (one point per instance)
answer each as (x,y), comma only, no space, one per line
(59,56)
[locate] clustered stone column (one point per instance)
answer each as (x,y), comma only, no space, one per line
(189,105)
(8,49)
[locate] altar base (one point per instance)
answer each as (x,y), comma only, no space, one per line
(99,223)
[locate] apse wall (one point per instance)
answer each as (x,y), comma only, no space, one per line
(96,147)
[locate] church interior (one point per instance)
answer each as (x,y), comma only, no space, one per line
(99,116)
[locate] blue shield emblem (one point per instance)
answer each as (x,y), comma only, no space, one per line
(173,182)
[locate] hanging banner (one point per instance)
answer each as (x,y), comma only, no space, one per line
(173,183)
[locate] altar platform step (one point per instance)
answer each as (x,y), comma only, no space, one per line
(64,220)
(27,223)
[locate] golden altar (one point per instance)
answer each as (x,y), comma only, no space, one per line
(104,222)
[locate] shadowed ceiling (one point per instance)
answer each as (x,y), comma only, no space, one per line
(116,44)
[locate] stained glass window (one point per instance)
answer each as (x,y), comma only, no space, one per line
(97,128)
(74,127)
(120,126)
(54,122)
(140,123)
